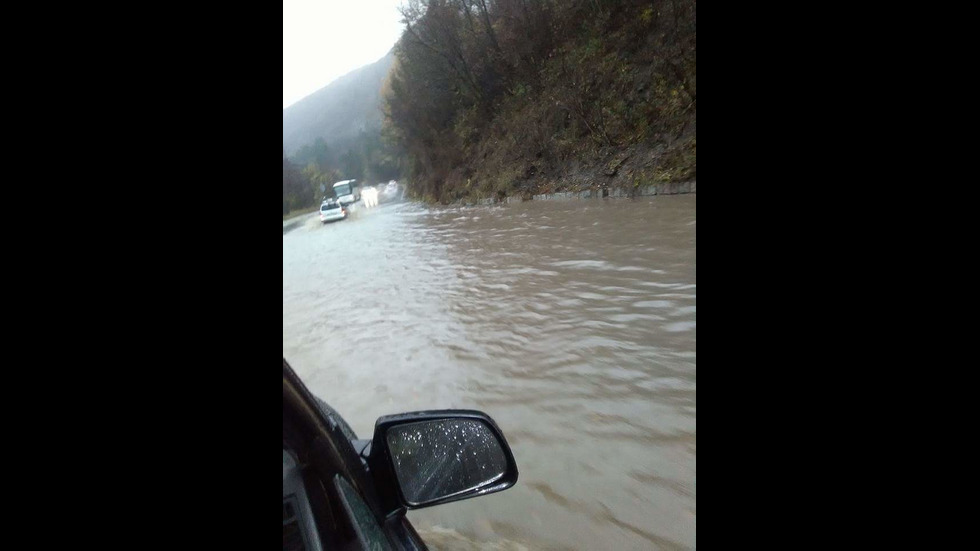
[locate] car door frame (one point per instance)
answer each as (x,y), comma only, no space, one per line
(325,453)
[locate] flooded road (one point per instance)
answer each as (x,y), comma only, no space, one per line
(573,324)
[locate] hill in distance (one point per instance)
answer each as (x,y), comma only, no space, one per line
(341,111)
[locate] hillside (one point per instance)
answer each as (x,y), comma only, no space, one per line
(340,112)
(499,99)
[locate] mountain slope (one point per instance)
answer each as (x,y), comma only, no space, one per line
(516,99)
(341,111)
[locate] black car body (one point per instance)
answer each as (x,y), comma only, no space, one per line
(343,493)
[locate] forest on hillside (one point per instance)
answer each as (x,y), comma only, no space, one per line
(491,98)
(297,193)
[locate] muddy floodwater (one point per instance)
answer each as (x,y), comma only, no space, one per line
(573,324)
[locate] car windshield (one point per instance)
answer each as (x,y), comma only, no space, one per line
(343,190)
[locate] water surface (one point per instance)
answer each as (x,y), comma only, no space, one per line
(573,324)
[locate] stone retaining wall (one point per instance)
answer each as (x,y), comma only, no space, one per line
(619,193)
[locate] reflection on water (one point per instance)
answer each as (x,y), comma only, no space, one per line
(573,324)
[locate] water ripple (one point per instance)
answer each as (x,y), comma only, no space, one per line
(573,324)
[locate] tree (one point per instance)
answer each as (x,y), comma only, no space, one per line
(296,191)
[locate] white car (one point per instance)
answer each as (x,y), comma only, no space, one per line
(331,211)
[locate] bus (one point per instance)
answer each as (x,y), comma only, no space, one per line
(347,192)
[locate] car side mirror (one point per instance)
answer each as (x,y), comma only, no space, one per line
(433,458)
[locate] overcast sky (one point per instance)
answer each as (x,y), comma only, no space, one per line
(323,40)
